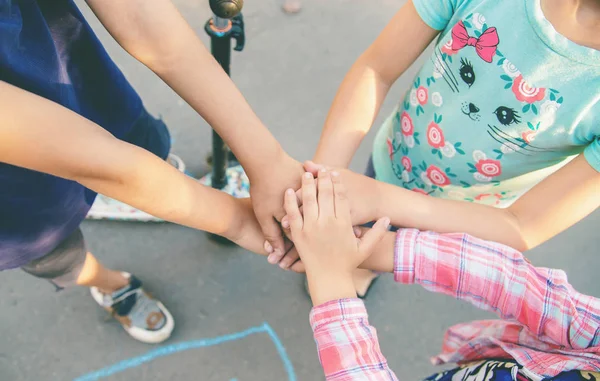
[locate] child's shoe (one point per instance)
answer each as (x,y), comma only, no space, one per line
(143,317)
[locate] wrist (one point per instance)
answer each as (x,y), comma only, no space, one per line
(237,215)
(328,286)
(382,257)
(377,209)
(372,209)
(270,152)
(329,157)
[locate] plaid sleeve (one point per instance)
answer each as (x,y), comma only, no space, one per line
(347,345)
(497,278)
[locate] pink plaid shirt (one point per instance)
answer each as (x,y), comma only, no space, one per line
(547,326)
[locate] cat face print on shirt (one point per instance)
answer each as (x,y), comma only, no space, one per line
(469,114)
(532,106)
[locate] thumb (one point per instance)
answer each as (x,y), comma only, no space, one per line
(274,237)
(371,238)
(312,167)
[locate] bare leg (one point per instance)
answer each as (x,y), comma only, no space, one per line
(94,274)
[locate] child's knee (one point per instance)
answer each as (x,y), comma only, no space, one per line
(62,265)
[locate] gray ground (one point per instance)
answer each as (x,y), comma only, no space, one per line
(289,73)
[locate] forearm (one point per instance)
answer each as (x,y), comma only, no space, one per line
(362,92)
(550,207)
(496,278)
(373,199)
(150,184)
(382,258)
(351,115)
(156,34)
(41,135)
(410,209)
(212,94)
(146,182)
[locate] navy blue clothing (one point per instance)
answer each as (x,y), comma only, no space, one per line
(47,48)
(504,370)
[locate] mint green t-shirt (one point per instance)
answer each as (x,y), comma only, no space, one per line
(504,101)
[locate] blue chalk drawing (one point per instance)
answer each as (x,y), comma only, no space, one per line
(195,344)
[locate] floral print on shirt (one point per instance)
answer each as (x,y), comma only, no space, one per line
(510,127)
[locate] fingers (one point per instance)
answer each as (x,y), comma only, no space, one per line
(285,224)
(291,256)
(342,206)
(286,230)
(268,247)
(298,267)
(326,206)
(294,218)
(312,167)
(309,198)
(372,237)
(272,232)
(289,259)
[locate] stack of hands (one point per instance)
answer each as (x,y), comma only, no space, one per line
(329,248)
(315,230)
(263,215)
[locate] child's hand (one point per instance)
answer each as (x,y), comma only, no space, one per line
(268,187)
(325,239)
(362,194)
(247,233)
(363,198)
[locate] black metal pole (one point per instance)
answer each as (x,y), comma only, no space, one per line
(227,23)
(221,50)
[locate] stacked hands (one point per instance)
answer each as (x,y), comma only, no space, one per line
(317,221)
(329,247)
(354,187)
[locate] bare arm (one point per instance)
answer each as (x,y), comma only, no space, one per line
(549,208)
(366,85)
(156,34)
(552,206)
(41,135)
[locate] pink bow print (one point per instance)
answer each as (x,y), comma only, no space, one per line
(486,45)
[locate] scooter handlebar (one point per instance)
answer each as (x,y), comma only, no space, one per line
(226,9)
